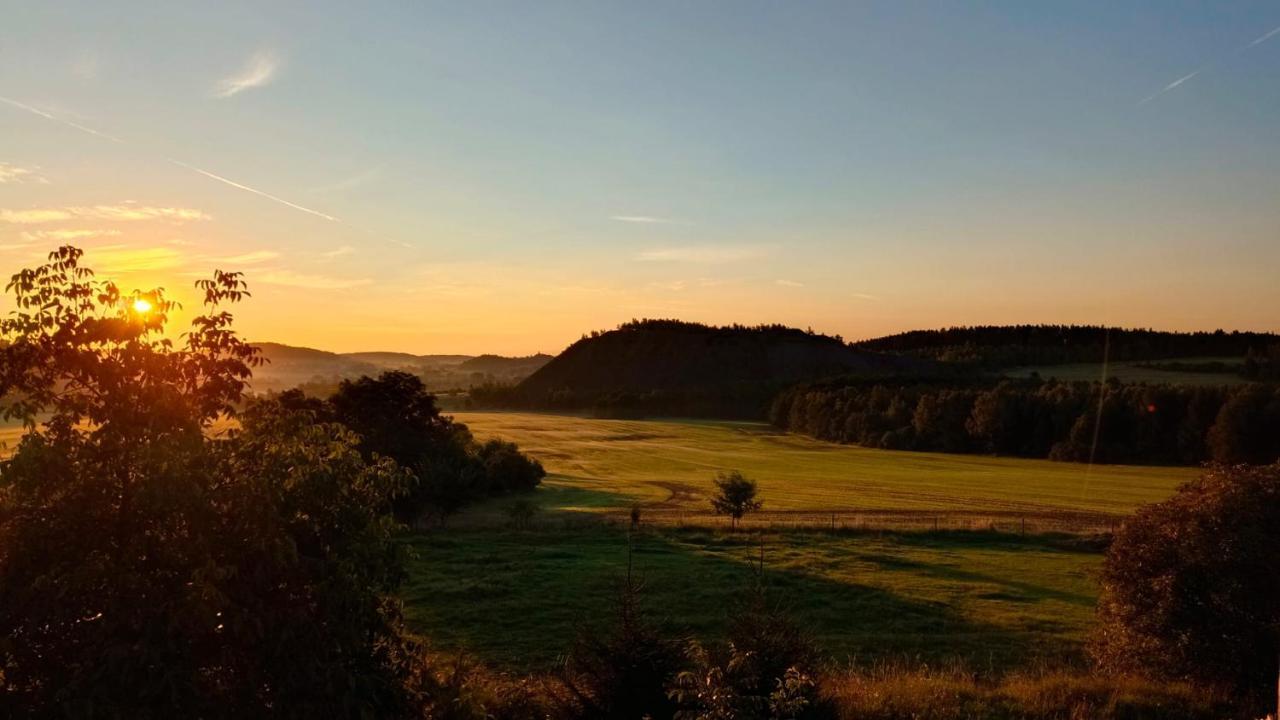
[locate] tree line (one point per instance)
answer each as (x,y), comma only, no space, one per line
(1073,421)
(1002,346)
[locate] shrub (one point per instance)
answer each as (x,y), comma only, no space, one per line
(1191,586)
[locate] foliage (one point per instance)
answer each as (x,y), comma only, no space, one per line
(147,570)
(397,418)
(623,672)
(1162,424)
(1191,586)
(992,346)
(506,469)
(735,495)
(766,672)
(715,691)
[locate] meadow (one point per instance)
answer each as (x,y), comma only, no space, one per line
(598,465)
(989,600)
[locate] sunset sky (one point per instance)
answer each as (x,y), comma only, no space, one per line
(502,177)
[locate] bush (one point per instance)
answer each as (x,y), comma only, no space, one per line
(1191,586)
(507,470)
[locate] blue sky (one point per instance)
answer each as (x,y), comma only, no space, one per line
(505,176)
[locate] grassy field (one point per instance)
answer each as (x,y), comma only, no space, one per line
(599,464)
(517,598)
(990,600)
(1129,372)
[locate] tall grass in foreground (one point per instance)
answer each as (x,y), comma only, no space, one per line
(890,693)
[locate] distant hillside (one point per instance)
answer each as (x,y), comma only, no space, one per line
(670,367)
(499,365)
(288,366)
(996,347)
(319,371)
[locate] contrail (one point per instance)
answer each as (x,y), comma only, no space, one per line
(1170,86)
(61,121)
(206,173)
(255,191)
(1265,37)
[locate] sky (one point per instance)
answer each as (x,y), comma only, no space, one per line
(504,177)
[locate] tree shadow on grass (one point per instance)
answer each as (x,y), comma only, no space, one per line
(1019,591)
(517,599)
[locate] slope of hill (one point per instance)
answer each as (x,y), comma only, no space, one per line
(670,367)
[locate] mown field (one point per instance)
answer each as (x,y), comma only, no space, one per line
(516,597)
(601,464)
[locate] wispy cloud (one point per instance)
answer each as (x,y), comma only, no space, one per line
(61,121)
(255,191)
(13,174)
(120,259)
(712,254)
(258,71)
(338,252)
(865,296)
(311,282)
(65,235)
(788,283)
(16,246)
(112,213)
(644,219)
(1258,41)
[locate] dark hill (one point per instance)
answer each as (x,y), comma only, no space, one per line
(656,367)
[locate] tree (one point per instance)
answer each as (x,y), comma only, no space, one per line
(149,570)
(1191,586)
(735,496)
(622,672)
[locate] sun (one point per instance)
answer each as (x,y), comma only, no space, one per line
(141,306)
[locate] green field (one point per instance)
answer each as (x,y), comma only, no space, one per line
(991,600)
(516,598)
(596,464)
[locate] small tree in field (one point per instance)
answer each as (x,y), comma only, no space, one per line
(735,496)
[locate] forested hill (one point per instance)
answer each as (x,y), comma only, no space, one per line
(673,367)
(996,346)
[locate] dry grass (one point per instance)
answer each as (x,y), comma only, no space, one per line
(923,694)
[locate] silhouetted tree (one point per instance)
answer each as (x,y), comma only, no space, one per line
(735,496)
(149,570)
